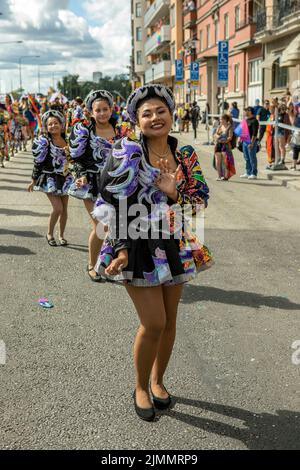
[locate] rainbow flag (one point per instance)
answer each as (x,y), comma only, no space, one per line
(38,117)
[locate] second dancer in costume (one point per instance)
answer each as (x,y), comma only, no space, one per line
(90,145)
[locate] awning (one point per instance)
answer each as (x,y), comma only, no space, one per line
(291,55)
(269,61)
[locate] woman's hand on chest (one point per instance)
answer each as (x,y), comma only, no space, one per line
(167,180)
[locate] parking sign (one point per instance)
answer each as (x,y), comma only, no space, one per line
(223,59)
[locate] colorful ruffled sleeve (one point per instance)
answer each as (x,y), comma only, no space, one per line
(118,189)
(78,144)
(40,149)
(192,187)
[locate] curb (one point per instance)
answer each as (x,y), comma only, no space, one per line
(286,180)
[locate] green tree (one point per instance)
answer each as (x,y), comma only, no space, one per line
(118,86)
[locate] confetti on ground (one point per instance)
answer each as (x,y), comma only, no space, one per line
(45,303)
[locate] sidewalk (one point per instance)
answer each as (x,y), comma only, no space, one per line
(287,178)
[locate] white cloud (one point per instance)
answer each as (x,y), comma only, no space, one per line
(48,28)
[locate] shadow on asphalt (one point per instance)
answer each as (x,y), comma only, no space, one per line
(12,188)
(258,430)
(20,233)
(12,212)
(257,184)
(74,247)
(14,181)
(15,250)
(18,168)
(193,293)
(15,174)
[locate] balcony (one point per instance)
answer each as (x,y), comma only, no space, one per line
(158,9)
(156,42)
(261,20)
(286,8)
(278,20)
(189,19)
(158,71)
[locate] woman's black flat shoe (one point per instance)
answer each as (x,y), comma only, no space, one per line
(51,241)
(97,278)
(147,414)
(161,403)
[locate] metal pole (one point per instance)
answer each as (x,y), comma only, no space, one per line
(20,72)
(39,79)
(223,99)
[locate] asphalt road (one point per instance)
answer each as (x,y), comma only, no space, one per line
(68,377)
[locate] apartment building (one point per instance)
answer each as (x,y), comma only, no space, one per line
(157,35)
(138,38)
(278,30)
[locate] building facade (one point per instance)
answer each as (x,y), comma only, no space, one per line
(278,30)
(264,47)
(235,21)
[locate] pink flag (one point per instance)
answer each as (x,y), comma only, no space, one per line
(242,132)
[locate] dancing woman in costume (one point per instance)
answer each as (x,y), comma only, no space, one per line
(51,173)
(89,147)
(154,173)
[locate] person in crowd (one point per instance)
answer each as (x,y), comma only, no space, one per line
(270,133)
(263,115)
(30,116)
(51,173)
(186,119)
(195,117)
(153,172)
(223,158)
(250,148)
(235,113)
(295,143)
(283,134)
(257,107)
(4,118)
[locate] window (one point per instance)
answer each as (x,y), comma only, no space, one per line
(226,26)
(139,33)
(139,58)
(172,17)
(201,40)
(173,53)
(279,75)
(208,35)
(237,17)
(237,77)
(138,10)
(216,32)
(255,71)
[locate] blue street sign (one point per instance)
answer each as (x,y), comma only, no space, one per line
(195,71)
(223,62)
(179,70)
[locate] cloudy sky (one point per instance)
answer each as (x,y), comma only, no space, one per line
(75,36)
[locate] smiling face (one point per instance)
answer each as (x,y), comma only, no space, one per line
(54,126)
(154,118)
(101,111)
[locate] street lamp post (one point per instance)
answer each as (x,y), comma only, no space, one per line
(20,66)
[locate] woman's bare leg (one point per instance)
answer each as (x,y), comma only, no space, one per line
(64,216)
(95,243)
(149,304)
(218,156)
(171,297)
(57,210)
